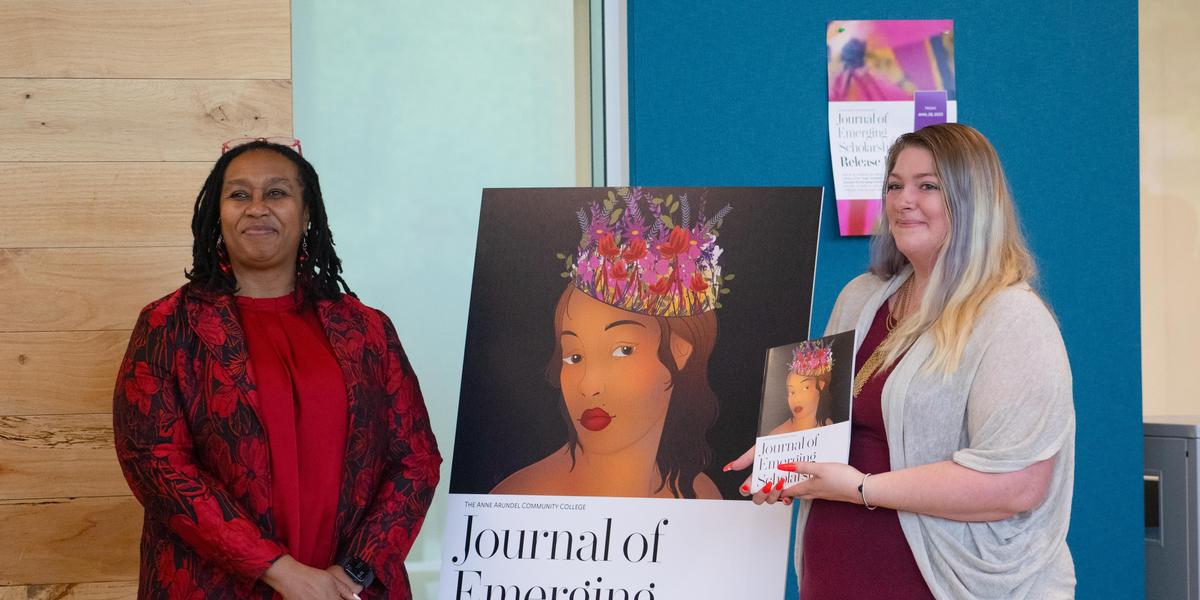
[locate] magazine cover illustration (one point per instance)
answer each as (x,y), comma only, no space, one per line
(806,405)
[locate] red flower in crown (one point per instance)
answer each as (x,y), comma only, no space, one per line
(608,247)
(812,358)
(662,286)
(635,250)
(648,254)
(676,244)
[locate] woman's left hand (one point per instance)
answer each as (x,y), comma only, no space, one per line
(345,584)
(826,481)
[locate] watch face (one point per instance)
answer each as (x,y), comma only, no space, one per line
(358,570)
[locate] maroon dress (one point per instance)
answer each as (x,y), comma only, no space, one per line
(303,404)
(849,551)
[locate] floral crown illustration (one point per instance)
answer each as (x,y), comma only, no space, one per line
(812,358)
(649,264)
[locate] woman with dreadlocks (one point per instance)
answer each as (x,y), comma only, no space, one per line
(267,420)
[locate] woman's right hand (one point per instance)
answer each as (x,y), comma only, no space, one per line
(296,581)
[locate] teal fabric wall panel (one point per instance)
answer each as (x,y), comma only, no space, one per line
(735,94)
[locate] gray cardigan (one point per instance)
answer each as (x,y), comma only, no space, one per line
(1007,406)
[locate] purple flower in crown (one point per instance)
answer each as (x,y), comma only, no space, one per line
(812,358)
(597,224)
(647,254)
(657,267)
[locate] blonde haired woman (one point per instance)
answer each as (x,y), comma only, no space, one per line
(963,425)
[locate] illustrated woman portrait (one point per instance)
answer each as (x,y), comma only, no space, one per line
(808,393)
(634,330)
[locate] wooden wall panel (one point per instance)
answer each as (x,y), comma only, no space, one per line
(59,372)
(98,204)
(136,119)
(59,456)
(72,289)
(213,39)
(70,540)
(106,590)
(111,114)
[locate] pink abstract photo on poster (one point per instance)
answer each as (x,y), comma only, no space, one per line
(889,60)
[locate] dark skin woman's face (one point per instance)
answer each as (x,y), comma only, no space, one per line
(263,214)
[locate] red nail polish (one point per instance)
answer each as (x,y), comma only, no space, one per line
(727,468)
(767,488)
(787,500)
(789,467)
(745,489)
(779,485)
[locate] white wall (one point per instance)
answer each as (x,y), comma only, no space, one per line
(407,109)
(1170,164)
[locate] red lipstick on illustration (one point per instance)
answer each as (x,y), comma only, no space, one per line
(595,419)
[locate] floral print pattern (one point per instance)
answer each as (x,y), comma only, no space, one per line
(195,453)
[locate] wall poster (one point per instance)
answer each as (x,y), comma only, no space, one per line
(614,360)
(886,78)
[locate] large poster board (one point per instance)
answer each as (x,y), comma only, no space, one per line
(613,364)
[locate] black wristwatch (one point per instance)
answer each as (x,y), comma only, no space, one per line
(358,570)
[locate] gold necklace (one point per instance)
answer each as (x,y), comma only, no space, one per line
(898,313)
(903,298)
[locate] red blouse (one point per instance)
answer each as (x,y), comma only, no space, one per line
(849,551)
(302,402)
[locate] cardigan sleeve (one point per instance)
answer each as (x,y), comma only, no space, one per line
(154,447)
(1019,408)
(398,508)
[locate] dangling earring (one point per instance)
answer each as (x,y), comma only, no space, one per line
(302,258)
(222,256)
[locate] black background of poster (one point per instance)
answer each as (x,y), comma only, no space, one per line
(508,415)
(779,361)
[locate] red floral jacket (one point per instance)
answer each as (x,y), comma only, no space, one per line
(194,450)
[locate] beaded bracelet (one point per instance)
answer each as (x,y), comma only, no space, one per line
(862,491)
